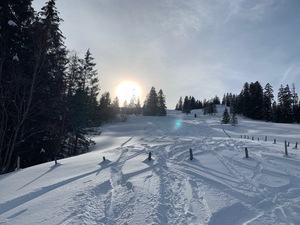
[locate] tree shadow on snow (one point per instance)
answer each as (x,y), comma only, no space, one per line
(50,169)
(16,202)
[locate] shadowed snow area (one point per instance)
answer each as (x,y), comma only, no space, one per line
(219,186)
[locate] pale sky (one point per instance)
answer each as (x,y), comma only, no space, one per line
(200,48)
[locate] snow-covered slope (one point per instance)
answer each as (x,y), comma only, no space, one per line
(219,186)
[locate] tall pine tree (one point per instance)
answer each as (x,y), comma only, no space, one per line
(150,107)
(161,103)
(186,108)
(285,101)
(268,97)
(90,86)
(53,93)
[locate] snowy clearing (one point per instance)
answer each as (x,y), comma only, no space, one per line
(219,186)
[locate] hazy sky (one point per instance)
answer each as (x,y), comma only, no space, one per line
(201,48)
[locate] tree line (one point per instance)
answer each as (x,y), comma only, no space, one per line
(154,105)
(259,103)
(189,103)
(254,102)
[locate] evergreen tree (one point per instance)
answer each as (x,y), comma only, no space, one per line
(268,97)
(228,99)
(72,75)
(116,106)
(276,112)
(125,104)
(54,85)
(255,101)
(105,108)
(295,105)
(226,116)
(134,106)
(297,112)
(199,104)
(245,98)
(83,108)
(216,100)
(138,108)
(89,83)
(132,102)
(193,103)
(186,108)
(209,108)
(285,101)
(179,105)
(224,100)
(150,107)
(78,121)
(89,77)
(233,104)
(161,103)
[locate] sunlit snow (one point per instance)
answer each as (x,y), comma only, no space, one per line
(219,186)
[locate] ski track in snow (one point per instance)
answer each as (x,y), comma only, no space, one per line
(219,186)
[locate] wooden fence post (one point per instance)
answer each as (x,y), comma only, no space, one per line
(274,140)
(266,138)
(246,153)
(191,154)
(149,157)
(18,163)
(285,148)
(296,145)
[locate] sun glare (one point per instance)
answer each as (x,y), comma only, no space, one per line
(127,90)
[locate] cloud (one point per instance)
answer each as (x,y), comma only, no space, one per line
(255,10)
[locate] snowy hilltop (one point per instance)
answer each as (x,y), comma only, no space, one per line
(219,186)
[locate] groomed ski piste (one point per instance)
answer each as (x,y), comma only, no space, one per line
(219,186)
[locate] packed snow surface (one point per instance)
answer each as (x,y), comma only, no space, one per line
(219,186)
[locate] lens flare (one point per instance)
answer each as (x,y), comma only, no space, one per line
(178,124)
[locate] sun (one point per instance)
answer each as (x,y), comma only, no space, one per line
(128,90)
